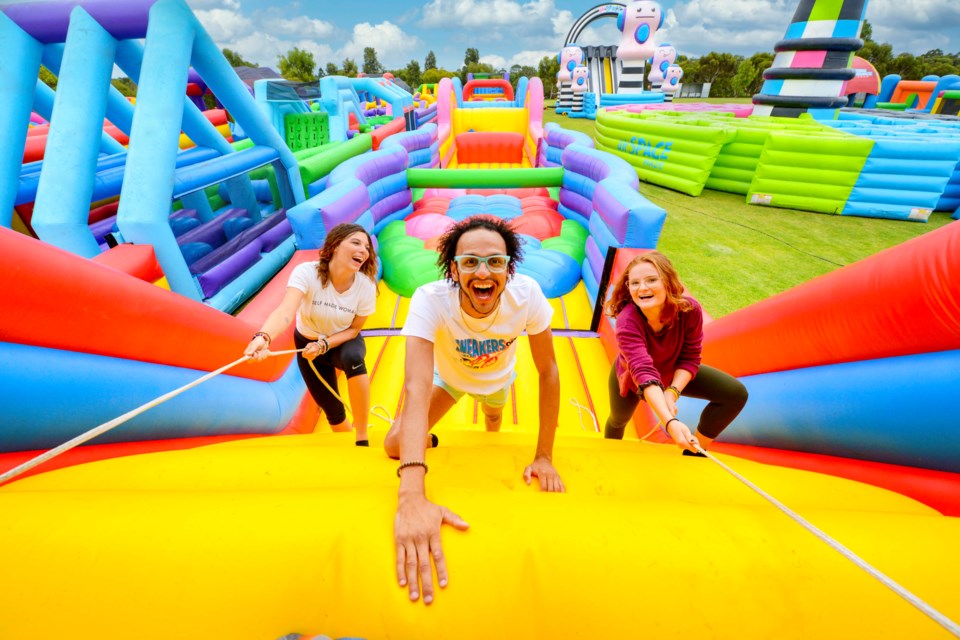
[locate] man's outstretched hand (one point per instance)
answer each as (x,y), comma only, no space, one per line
(416,532)
(543,469)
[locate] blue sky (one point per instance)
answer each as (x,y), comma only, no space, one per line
(508,32)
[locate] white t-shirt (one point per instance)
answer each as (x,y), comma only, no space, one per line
(468,356)
(324,311)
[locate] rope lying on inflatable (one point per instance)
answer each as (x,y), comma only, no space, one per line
(116,422)
(932,613)
(925,608)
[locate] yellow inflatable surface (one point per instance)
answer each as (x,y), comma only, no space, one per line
(259,538)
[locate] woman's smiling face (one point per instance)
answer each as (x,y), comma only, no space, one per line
(353,251)
(646,287)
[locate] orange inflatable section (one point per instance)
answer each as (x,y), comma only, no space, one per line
(906,88)
(55,299)
(489,146)
(901,301)
(380,134)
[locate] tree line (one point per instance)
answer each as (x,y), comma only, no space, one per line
(730,75)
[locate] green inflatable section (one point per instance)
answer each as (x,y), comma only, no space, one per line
(571,241)
(677,153)
(808,172)
(406,263)
(737,163)
(485,178)
(306,130)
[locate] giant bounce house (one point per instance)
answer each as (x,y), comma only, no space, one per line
(156,484)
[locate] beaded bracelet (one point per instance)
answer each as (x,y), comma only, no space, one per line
(412,463)
(264,335)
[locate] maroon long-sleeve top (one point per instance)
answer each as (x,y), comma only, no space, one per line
(646,356)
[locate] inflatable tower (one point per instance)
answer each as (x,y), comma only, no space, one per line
(813,60)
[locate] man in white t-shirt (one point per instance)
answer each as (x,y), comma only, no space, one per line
(461,338)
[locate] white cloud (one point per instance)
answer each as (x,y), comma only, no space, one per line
(214,4)
(742,27)
(299,27)
(908,25)
(224,25)
(394,47)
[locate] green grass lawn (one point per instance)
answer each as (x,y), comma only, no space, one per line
(731,254)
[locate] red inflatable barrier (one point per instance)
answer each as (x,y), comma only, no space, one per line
(901,301)
(476,147)
(115,315)
(499,83)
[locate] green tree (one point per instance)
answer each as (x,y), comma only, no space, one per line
(476,67)
(349,68)
(430,62)
(236,60)
(866,31)
(472,56)
(332,69)
(907,67)
(411,74)
(371,66)
(718,69)
(522,71)
(547,70)
(125,86)
(48,78)
(433,76)
(880,55)
(742,80)
(297,65)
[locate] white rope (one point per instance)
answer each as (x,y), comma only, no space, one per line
(116,422)
(580,410)
(386,414)
(932,613)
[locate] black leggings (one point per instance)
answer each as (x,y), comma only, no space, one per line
(726,396)
(348,357)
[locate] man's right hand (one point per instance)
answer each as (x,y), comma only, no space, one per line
(416,532)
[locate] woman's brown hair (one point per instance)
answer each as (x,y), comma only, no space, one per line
(337,235)
(675,302)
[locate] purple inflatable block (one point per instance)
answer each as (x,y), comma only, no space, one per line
(48,21)
(275,237)
(594,258)
(216,278)
(347,207)
(221,253)
(385,164)
(575,201)
(211,232)
(613,212)
(391,204)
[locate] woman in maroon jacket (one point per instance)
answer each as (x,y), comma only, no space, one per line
(660,337)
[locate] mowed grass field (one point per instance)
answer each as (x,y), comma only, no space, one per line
(731,254)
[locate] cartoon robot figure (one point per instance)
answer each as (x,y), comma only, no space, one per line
(580,84)
(664,56)
(671,82)
(638,24)
(570,58)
